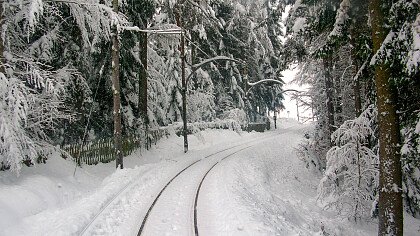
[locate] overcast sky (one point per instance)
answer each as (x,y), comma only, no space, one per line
(291,109)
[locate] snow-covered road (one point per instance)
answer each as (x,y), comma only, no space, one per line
(261,188)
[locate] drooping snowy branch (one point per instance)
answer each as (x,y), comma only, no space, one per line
(340,19)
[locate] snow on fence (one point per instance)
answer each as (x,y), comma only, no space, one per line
(102,150)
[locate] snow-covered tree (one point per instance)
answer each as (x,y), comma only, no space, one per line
(351,177)
(342,30)
(33,83)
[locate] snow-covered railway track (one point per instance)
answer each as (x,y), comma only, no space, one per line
(106,205)
(207,164)
(87,229)
(146,217)
(201,183)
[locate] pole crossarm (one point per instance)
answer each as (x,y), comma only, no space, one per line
(197,66)
(291,90)
(252,85)
(264,81)
(153,31)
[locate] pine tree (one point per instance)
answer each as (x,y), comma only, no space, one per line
(390,177)
(350,180)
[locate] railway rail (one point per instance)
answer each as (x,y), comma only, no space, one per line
(209,169)
(133,183)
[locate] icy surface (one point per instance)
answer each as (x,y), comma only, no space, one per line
(262,190)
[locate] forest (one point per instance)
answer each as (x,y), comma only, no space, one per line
(77,71)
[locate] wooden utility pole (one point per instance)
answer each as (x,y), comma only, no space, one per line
(297,109)
(143,85)
(184,84)
(116,90)
(184,93)
(246,95)
(390,176)
(2,69)
(275,118)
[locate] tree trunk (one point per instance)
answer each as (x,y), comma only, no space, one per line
(116,91)
(329,86)
(358,13)
(338,100)
(357,98)
(184,85)
(390,177)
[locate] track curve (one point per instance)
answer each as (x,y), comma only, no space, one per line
(195,225)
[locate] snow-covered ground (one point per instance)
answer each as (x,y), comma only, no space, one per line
(261,190)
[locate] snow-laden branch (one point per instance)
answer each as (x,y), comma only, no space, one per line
(197,66)
(209,15)
(341,18)
(196,46)
(218,58)
(356,77)
(82,3)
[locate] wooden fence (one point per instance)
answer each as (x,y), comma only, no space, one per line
(102,150)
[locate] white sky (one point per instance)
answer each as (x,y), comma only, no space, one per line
(290,110)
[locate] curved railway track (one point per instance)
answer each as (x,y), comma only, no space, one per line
(201,183)
(146,217)
(197,192)
(132,184)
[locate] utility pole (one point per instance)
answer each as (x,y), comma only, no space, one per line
(246,95)
(297,108)
(312,110)
(184,93)
(2,69)
(116,90)
(275,118)
(143,85)
(184,84)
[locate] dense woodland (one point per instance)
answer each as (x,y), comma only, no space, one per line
(360,58)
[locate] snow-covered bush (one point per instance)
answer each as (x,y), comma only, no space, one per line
(313,149)
(236,114)
(351,175)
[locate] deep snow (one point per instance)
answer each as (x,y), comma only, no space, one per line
(262,190)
